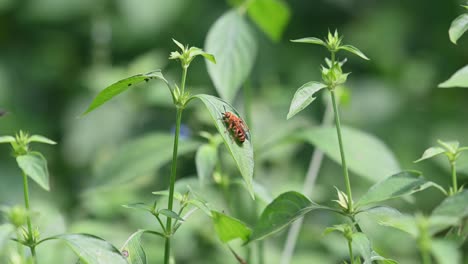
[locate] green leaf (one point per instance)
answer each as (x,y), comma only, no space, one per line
(133,250)
(241,152)
(170,214)
(366,155)
(458,27)
(458,79)
(431,152)
(205,161)
(35,166)
(5,231)
(271,16)
(400,184)
(139,206)
(280,213)
(41,139)
(303,97)
(120,87)
(92,249)
(445,251)
(453,206)
(229,228)
(232,42)
(194,51)
(137,158)
(310,40)
(362,244)
(353,50)
(7,139)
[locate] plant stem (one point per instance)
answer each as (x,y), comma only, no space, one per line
(343,157)
(454,177)
(170,202)
(28,217)
(350,248)
(184,76)
(426,257)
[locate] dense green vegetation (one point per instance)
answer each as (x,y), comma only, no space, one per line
(175,132)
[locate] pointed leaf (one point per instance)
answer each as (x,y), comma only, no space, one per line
(7,139)
(453,206)
(431,152)
(92,249)
(41,139)
(229,228)
(445,251)
(458,27)
(241,152)
(458,79)
(400,184)
(310,40)
(303,97)
(170,214)
(178,44)
(139,206)
(232,42)
(366,155)
(194,51)
(35,166)
(120,87)
(353,50)
(205,161)
(280,213)
(133,251)
(271,16)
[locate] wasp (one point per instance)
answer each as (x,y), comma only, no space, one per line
(236,126)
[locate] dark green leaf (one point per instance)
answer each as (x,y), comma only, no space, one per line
(431,152)
(458,79)
(232,42)
(280,213)
(241,152)
(366,155)
(271,16)
(445,251)
(310,40)
(121,86)
(458,27)
(205,161)
(303,97)
(453,206)
(35,166)
(41,139)
(400,184)
(7,139)
(229,228)
(353,50)
(91,249)
(170,214)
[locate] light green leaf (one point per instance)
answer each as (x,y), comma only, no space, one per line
(431,152)
(445,252)
(271,16)
(353,50)
(453,206)
(35,166)
(400,184)
(41,139)
(458,79)
(170,214)
(120,87)
(458,27)
(133,251)
(362,244)
(404,223)
(91,249)
(140,157)
(229,228)
(310,40)
(303,97)
(366,155)
(5,231)
(194,51)
(241,152)
(232,42)
(139,206)
(280,213)
(205,161)
(7,139)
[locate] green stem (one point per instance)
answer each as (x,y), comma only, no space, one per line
(28,217)
(343,157)
(454,177)
(170,202)
(350,248)
(426,257)
(184,76)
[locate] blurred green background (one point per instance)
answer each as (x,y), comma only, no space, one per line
(56,55)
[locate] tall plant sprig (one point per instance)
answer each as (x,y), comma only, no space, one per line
(333,77)
(241,152)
